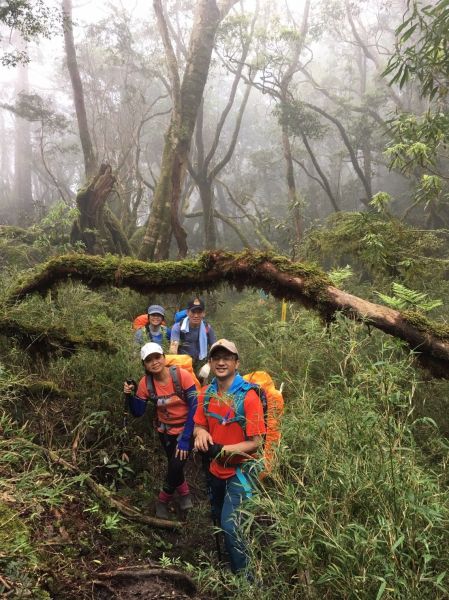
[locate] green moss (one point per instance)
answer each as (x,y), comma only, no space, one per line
(422,323)
(12,527)
(239,269)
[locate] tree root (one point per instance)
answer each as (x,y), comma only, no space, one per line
(103,493)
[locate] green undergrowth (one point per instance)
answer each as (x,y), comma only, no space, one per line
(382,250)
(358,507)
(379,245)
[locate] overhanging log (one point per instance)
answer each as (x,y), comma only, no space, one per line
(275,274)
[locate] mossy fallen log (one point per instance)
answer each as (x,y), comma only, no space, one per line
(43,389)
(45,342)
(274,274)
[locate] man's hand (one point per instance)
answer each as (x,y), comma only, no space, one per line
(202,439)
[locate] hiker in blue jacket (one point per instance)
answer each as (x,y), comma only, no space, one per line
(193,336)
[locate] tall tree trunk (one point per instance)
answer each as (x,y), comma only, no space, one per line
(293,198)
(97,227)
(284,94)
(22,196)
(5,175)
(165,207)
(205,188)
(90,161)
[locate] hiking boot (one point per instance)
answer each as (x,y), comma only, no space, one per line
(162,510)
(185,502)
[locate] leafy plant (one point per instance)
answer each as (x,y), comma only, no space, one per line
(404,299)
(338,276)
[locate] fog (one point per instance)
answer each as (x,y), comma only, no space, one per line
(292,126)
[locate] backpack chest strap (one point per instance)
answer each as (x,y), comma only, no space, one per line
(238,407)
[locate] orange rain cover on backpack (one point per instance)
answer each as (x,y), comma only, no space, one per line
(274,411)
(140,321)
(185,362)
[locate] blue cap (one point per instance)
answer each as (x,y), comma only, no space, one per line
(155,309)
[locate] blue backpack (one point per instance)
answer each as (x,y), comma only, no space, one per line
(180,315)
(238,403)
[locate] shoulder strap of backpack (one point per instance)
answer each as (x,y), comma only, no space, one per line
(151,389)
(239,408)
(176,378)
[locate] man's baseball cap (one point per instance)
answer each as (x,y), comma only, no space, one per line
(226,344)
(196,303)
(156,309)
(150,348)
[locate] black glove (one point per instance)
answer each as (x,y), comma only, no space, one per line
(214,450)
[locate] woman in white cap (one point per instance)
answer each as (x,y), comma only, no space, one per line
(172,392)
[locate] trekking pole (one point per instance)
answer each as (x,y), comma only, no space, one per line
(125,415)
(126,406)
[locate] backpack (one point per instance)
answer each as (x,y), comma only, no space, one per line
(273,408)
(185,362)
(140,321)
(180,315)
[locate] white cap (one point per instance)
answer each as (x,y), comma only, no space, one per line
(150,348)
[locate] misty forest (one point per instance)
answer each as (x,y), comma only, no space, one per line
(287,162)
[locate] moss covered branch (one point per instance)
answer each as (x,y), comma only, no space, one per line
(274,274)
(40,341)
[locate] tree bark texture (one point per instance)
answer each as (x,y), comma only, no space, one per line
(97,227)
(165,206)
(275,274)
(90,162)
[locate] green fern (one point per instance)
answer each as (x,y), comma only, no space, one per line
(404,298)
(338,276)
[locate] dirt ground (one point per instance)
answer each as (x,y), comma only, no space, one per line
(104,571)
(146,587)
